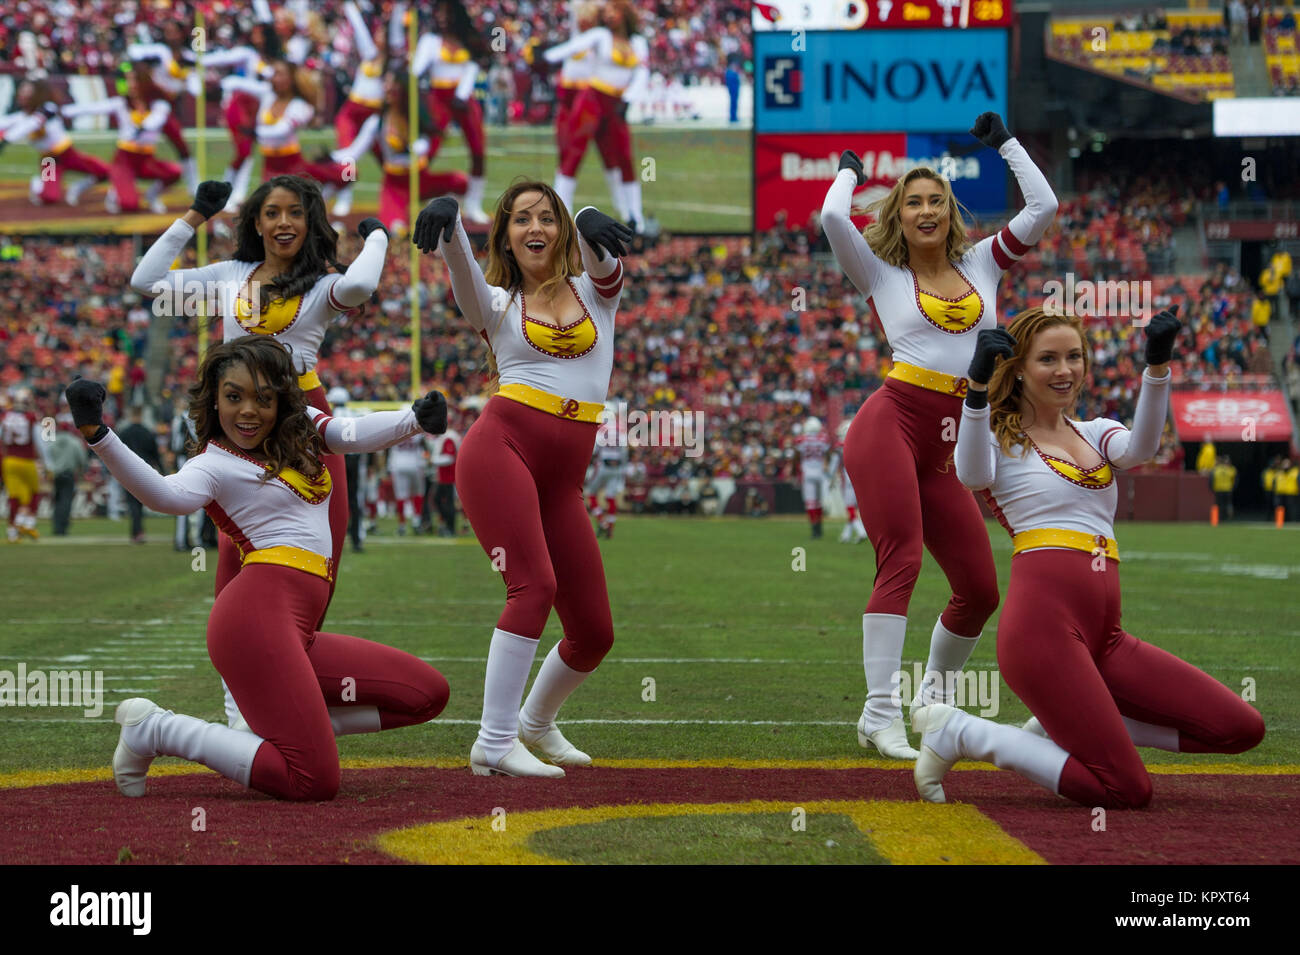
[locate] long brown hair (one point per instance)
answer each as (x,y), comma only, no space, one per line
(503,271)
(885,235)
(294,441)
(1006,390)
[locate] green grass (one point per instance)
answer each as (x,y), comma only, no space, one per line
(702,178)
(736,839)
(710,610)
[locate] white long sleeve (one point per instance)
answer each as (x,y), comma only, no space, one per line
(1041,203)
(580,43)
(158,112)
(372,432)
(19,126)
(103,107)
(1127,449)
(362,277)
(245,84)
(851,250)
(426,51)
(976,456)
(296,115)
(361,32)
(397,29)
(472,293)
(262,10)
(150,51)
(182,493)
(465,88)
(153,274)
(361,145)
(241,56)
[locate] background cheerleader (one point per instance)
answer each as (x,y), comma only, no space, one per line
(39,123)
(451,56)
(171,67)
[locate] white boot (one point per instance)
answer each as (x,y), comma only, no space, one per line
(845,535)
(149,731)
(472,206)
(881,723)
(239,186)
(343,202)
(112,205)
(614,179)
(859,532)
(497,749)
(948,655)
(153,198)
(555,682)
(78,189)
(632,196)
(948,734)
(565,188)
(34,190)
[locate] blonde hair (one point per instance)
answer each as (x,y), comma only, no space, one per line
(1006,390)
(885,235)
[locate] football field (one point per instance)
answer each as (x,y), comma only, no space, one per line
(726,707)
(693,179)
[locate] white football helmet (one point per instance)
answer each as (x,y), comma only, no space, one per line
(812,426)
(338,395)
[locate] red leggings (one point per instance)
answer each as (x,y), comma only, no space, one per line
(127,167)
(395,192)
(173,131)
(241,116)
(228,554)
(326,173)
(596,114)
(1062,651)
(468,115)
(519,477)
(349,120)
(901,468)
(284,675)
(70,160)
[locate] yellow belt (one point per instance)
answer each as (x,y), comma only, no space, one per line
(569,408)
(369,103)
(294,557)
(929,380)
(1057,537)
(60,148)
(605,88)
(280,150)
(309,381)
(445,84)
(393,169)
(138,148)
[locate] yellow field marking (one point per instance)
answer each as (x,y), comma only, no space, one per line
(905,833)
(55,777)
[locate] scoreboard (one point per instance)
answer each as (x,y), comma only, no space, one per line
(879,14)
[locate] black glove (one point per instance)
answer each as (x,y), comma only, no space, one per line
(86,402)
(990,343)
(849,160)
(210,198)
(431,412)
(990,130)
(604,234)
(369,225)
(438,217)
(1162,330)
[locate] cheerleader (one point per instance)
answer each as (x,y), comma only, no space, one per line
(140,116)
(1095,690)
(260,476)
(387,135)
(39,123)
(366,98)
(451,57)
(239,106)
(545,307)
(284,109)
(619,74)
(575,75)
(278,284)
(932,292)
(171,69)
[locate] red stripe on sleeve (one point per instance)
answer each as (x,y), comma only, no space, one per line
(1105,440)
(335,303)
(1001,257)
(611,284)
(1014,245)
